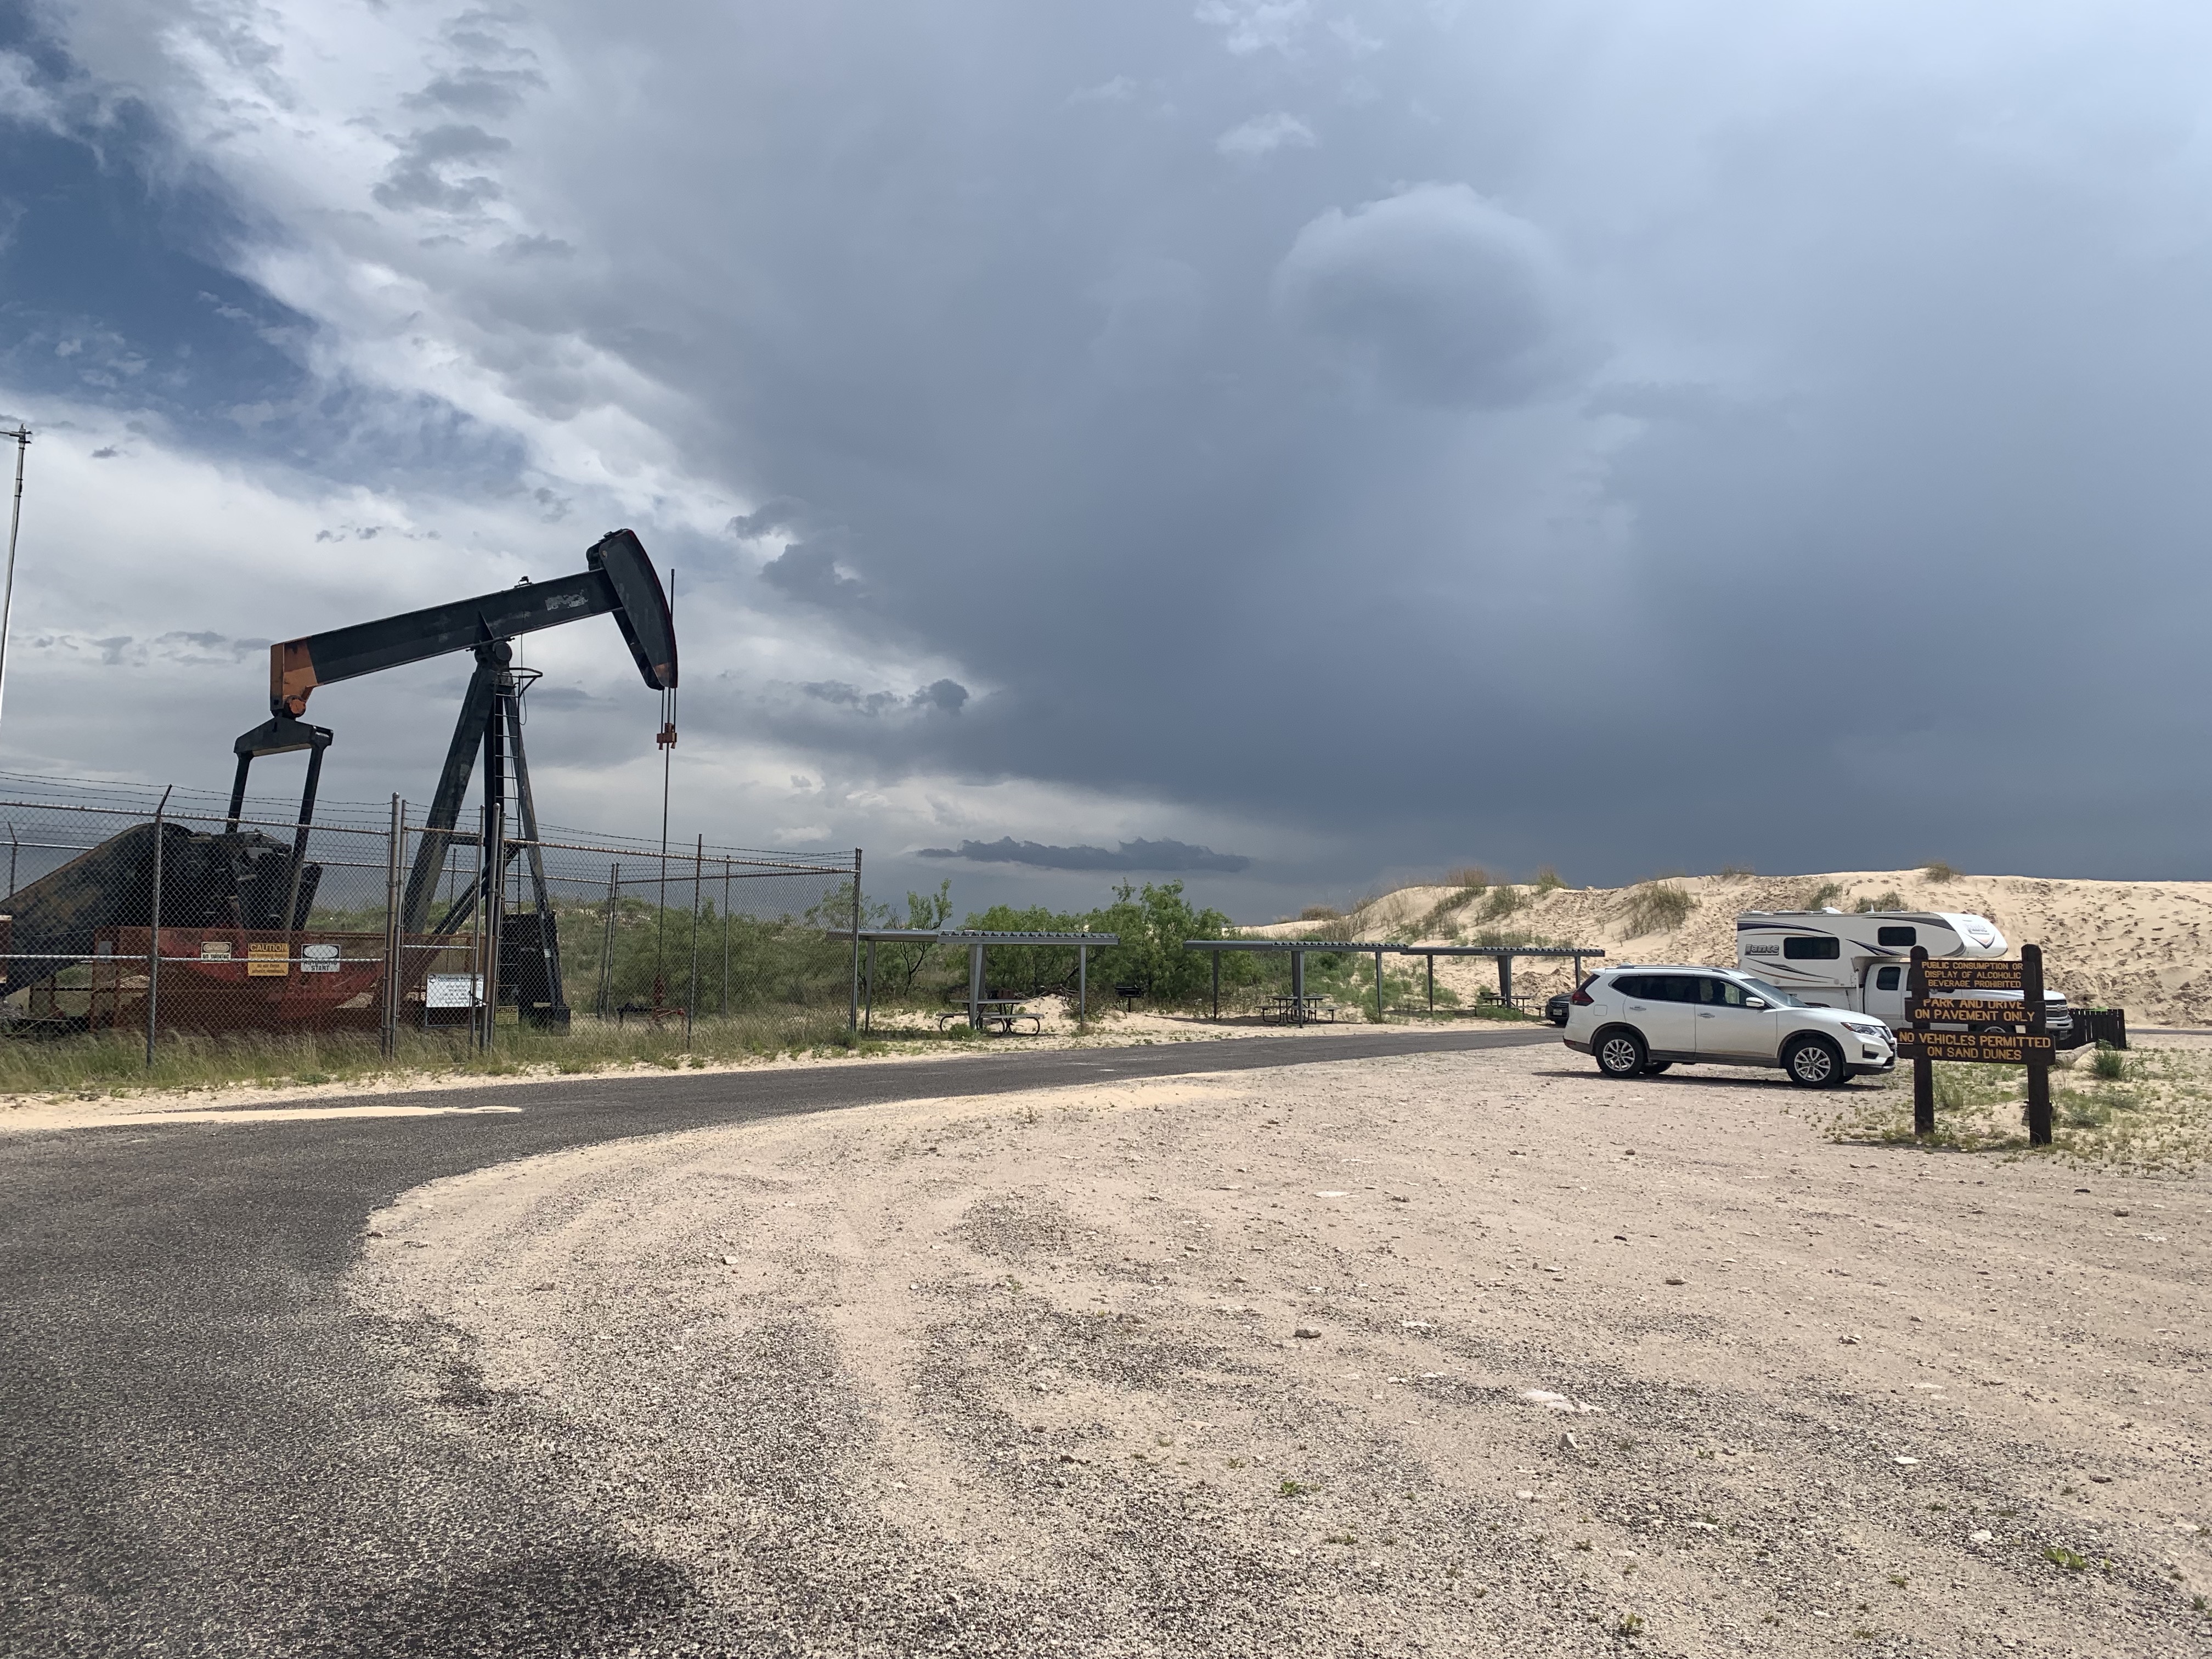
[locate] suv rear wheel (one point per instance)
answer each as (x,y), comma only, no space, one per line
(1620,1053)
(1814,1063)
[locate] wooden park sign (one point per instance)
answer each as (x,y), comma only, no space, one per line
(2022,1041)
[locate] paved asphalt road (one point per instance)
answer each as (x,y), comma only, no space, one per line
(204,1451)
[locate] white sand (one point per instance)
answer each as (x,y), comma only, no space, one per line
(2143,945)
(1590,1357)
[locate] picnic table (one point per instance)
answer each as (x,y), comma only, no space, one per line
(1297,1010)
(1002,1012)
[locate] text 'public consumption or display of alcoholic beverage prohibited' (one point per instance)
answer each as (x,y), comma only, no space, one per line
(1949,975)
(1969,1011)
(1988,1048)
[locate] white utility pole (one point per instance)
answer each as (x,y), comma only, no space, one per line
(21,435)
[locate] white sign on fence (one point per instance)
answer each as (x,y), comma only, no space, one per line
(453,991)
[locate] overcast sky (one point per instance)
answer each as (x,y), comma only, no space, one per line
(1292,446)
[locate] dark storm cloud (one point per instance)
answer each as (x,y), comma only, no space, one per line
(805,571)
(944,696)
(1390,429)
(1155,856)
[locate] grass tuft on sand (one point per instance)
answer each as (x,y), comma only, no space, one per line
(2148,1112)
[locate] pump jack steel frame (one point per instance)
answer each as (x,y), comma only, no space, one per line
(618,579)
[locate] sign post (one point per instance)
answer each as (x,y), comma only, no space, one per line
(1923,1067)
(2038,1058)
(2023,1039)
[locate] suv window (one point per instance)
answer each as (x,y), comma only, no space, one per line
(1680,987)
(1721,994)
(1905,937)
(1887,979)
(1812,950)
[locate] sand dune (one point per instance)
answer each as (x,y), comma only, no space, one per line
(2140,945)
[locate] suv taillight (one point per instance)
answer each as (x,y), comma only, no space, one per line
(1580,999)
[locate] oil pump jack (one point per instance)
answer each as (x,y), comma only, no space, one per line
(618,579)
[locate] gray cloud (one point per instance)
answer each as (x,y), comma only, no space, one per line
(423,174)
(810,572)
(1445,296)
(1163,857)
(770,516)
(482,93)
(942,697)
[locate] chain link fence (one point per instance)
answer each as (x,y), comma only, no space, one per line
(153,915)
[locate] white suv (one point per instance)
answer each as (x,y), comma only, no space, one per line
(1637,1021)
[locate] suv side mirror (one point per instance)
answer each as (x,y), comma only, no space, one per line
(1754,1002)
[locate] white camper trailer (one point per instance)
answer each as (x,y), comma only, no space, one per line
(1835,959)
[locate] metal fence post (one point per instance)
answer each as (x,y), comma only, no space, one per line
(153,936)
(607,939)
(726,939)
(476,939)
(691,997)
(394,856)
(853,1020)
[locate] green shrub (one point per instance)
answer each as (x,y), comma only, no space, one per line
(1939,872)
(1548,880)
(1889,901)
(1826,893)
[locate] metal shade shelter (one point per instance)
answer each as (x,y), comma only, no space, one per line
(1297,950)
(1505,954)
(977,941)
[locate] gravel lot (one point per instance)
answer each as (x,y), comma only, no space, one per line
(1594,1368)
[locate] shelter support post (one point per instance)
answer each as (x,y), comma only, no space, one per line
(1378,988)
(1216,955)
(868,1018)
(1299,985)
(1081,983)
(974,987)
(1505,980)
(1432,982)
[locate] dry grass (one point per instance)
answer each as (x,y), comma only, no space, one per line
(1656,906)
(2155,1118)
(93,1067)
